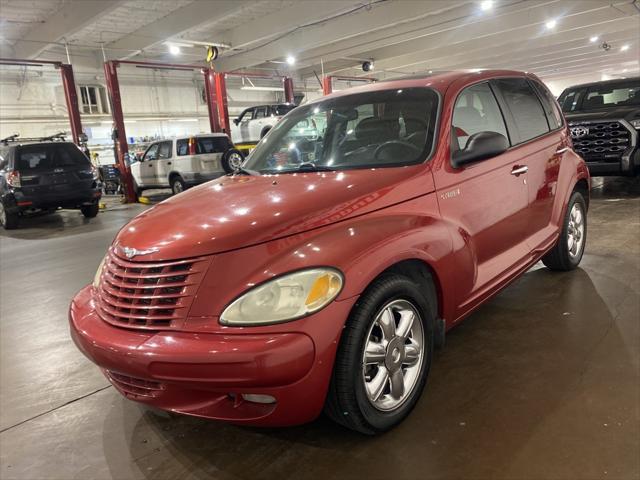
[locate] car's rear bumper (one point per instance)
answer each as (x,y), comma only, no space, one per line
(19,200)
(206,374)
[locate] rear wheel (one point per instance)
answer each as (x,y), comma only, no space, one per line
(384,357)
(8,220)
(90,211)
(177,185)
(567,252)
(264,132)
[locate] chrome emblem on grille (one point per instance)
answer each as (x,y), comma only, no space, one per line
(579,132)
(132,252)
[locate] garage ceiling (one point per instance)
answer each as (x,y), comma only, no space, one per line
(401,36)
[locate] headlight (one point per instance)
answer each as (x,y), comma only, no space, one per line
(98,275)
(636,123)
(284,298)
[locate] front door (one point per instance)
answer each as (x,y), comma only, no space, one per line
(486,201)
(148,165)
(164,163)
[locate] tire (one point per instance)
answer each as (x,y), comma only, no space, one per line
(232,160)
(350,401)
(8,220)
(90,211)
(177,185)
(568,251)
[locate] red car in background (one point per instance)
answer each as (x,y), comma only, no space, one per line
(323,273)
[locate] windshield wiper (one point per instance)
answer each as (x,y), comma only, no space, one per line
(312,167)
(245,171)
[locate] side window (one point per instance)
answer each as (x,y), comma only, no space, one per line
(554,117)
(165,150)
(523,103)
(182,147)
(246,115)
(476,110)
(151,153)
(261,112)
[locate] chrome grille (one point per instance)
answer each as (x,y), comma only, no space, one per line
(604,142)
(148,295)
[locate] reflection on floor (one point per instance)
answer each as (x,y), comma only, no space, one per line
(542,382)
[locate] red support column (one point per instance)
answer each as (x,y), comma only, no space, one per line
(288,90)
(113,89)
(71,96)
(221,102)
(326,85)
(212,105)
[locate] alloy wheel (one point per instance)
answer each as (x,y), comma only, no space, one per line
(575,231)
(393,355)
(235,161)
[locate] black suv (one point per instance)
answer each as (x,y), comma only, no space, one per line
(604,119)
(44,175)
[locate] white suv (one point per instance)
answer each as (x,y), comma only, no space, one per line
(254,123)
(182,162)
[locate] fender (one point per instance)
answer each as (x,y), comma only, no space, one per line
(572,170)
(361,248)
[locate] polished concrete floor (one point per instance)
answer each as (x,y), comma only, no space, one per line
(543,382)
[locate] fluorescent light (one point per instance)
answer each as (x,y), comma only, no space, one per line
(174,50)
(486,5)
(594,39)
(551,24)
(262,89)
(291,60)
(187,120)
(624,48)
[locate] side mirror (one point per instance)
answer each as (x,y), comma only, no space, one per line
(480,146)
(236,121)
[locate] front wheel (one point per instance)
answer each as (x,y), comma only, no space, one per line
(90,211)
(568,251)
(384,357)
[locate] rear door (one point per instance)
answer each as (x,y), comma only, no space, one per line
(56,168)
(485,201)
(258,123)
(245,122)
(536,127)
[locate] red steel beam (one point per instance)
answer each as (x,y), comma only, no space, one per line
(122,148)
(71,97)
(327,82)
(212,100)
(288,90)
(68,84)
(221,102)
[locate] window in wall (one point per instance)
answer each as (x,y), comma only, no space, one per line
(93,99)
(528,115)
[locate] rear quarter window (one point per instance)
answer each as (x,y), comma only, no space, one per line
(212,144)
(49,156)
(524,105)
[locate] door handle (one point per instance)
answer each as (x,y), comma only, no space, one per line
(561,150)
(518,170)
(150,164)
(168,163)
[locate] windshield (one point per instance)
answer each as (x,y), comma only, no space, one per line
(624,93)
(47,156)
(387,128)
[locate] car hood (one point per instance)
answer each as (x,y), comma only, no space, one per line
(628,113)
(238,211)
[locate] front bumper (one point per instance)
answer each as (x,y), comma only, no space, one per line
(205,374)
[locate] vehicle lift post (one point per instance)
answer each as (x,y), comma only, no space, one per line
(327,82)
(215,91)
(68,84)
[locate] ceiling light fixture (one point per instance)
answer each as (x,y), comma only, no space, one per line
(624,48)
(174,50)
(551,24)
(486,5)
(291,60)
(594,39)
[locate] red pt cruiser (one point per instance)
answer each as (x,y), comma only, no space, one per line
(323,273)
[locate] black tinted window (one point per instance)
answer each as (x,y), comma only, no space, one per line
(570,99)
(476,110)
(282,109)
(554,116)
(49,156)
(212,144)
(528,116)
